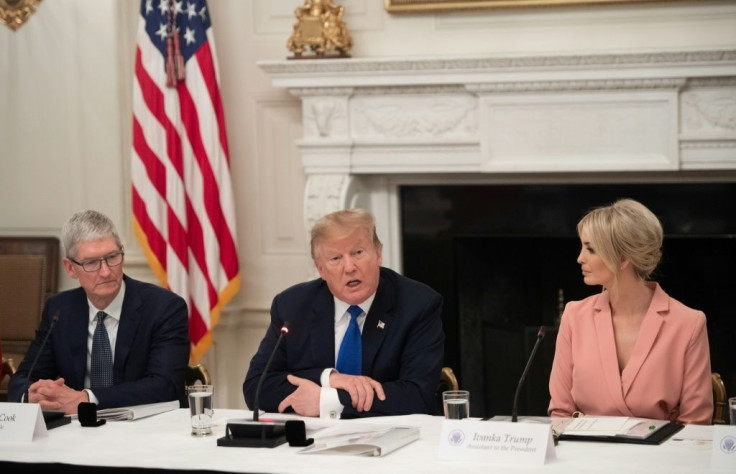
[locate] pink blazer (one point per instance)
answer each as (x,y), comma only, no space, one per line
(668,376)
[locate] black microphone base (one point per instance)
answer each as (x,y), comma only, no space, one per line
(55,418)
(254,434)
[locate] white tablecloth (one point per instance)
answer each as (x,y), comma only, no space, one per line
(164,441)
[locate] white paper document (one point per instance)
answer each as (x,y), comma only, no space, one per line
(136,412)
(622,426)
(361,439)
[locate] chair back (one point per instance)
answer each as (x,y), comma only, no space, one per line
(719,400)
(448,381)
(197,375)
(29,272)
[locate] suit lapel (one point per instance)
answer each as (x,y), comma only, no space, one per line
(77,336)
(607,352)
(322,329)
(130,318)
(648,332)
(378,323)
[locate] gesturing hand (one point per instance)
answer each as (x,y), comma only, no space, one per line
(362,389)
(305,399)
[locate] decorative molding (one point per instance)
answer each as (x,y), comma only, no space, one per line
(411,90)
(324,193)
(325,115)
(707,144)
(309,91)
(432,117)
(585,85)
(717,109)
(472,64)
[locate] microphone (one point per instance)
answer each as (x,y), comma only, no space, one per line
(284,330)
(540,335)
(54,318)
(255,433)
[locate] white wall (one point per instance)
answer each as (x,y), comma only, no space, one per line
(66,80)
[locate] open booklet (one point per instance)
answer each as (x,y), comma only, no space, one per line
(361,439)
(136,412)
(620,429)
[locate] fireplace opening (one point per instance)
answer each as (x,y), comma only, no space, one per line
(504,258)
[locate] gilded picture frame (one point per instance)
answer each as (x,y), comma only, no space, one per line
(432,6)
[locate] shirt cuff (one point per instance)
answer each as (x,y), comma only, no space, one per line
(329,404)
(92,398)
(324,379)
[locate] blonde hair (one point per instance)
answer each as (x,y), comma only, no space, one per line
(342,223)
(623,230)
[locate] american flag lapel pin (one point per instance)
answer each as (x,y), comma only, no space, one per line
(380,324)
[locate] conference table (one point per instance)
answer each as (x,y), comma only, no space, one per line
(164,442)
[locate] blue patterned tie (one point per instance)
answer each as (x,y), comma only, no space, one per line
(101,371)
(350,357)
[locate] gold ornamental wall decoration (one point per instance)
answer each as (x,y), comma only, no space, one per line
(319,28)
(14,13)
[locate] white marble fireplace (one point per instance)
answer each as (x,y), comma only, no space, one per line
(371,125)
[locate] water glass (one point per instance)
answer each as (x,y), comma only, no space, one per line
(456,404)
(732,409)
(200,409)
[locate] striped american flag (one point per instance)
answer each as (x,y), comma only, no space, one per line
(183,213)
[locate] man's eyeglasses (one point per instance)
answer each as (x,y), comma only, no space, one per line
(112,260)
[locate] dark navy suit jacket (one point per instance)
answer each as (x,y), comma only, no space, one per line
(151,352)
(403,345)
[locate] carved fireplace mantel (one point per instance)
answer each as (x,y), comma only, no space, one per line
(372,124)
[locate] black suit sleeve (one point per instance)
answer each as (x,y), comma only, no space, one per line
(294,360)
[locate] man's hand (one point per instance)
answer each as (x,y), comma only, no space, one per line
(54,395)
(361,389)
(305,399)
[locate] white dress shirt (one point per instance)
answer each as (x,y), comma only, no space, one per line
(329,402)
(111,322)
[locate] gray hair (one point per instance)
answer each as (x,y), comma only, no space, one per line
(84,226)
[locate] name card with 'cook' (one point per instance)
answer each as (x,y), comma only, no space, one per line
(19,422)
(496,442)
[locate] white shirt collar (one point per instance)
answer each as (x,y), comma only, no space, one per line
(114,309)
(341,307)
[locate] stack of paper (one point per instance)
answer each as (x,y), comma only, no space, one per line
(136,412)
(362,439)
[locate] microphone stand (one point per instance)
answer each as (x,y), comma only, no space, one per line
(54,318)
(256,433)
(540,335)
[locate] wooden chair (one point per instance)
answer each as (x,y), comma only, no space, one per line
(719,400)
(448,381)
(9,368)
(29,272)
(197,374)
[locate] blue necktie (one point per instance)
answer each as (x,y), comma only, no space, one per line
(350,357)
(101,370)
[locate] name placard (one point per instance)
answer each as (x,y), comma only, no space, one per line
(496,442)
(724,446)
(20,422)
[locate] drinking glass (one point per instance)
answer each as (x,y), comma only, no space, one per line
(200,409)
(456,404)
